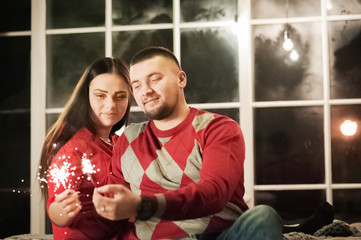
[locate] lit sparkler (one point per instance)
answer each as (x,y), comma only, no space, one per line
(59,176)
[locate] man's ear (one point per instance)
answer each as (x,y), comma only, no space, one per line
(182,79)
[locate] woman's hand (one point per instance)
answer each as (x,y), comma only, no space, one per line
(65,207)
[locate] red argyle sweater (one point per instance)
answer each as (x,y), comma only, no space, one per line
(195,171)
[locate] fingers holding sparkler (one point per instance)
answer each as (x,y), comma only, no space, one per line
(69,202)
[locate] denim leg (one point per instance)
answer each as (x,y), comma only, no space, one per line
(259,223)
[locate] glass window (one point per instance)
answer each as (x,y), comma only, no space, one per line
(347,205)
(72,14)
(277,8)
(15,213)
(15,15)
(294,74)
(15,174)
(342,7)
(67,57)
(205,10)
(345,143)
(293,206)
(229,112)
(129,12)
(15,70)
(289,145)
(345,52)
(209,58)
(126,44)
(137,117)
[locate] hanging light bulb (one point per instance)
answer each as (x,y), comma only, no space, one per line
(294,55)
(329,5)
(287,44)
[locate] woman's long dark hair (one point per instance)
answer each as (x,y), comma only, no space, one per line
(77,113)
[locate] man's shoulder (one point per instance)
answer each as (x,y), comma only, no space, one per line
(206,118)
(134,129)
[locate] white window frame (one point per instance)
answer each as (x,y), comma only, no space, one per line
(246,104)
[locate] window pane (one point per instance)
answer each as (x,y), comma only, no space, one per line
(137,117)
(289,145)
(15,70)
(128,12)
(67,58)
(347,205)
(51,119)
(13,128)
(342,7)
(73,14)
(15,174)
(206,10)
(126,44)
(229,112)
(277,9)
(209,58)
(15,213)
(346,150)
(15,15)
(288,75)
(345,52)
(293,206)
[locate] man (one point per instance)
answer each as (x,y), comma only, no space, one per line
(181,173)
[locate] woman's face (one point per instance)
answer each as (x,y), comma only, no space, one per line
(108,97)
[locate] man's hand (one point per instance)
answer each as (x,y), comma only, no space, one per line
(115,202)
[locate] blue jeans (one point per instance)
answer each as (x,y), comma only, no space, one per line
(259,223)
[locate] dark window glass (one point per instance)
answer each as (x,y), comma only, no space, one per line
(295,74)
(15,174)
(73,14)
(345,52)
(205,10)
(346,151)
(277,8)
(14,212)
(289,145)
(137,117)
(229,112)
(129,12)
(67,57)
(342,7)
(293,206)
(15,72)
(347,205)
(126,44)
(209,58)
(15,15)
(51,119)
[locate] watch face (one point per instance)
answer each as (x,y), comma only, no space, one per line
(146,208)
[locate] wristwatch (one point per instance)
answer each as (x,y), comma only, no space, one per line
(146,208)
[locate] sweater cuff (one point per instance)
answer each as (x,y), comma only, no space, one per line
(161,202)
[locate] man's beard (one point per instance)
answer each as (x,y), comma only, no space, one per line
(160,113)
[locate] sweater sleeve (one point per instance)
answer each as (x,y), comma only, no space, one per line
(221,176)
(65,172)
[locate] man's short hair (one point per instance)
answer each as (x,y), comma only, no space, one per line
(150,52)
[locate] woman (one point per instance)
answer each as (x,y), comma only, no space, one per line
(78,147)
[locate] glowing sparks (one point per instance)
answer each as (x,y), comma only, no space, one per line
(88,168)
(59,176)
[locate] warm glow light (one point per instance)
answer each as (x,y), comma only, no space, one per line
(329,5)
(235,28)
(287,44)
(294,55)
(348,128)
